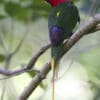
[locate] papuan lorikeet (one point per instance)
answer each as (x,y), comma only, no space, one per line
(61,22)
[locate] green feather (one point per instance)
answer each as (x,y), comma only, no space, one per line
(56,53)
(65,16)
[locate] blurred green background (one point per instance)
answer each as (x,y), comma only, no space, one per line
(27,20)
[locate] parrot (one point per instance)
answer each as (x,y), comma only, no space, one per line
(62,19)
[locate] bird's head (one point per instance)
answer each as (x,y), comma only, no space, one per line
(54,3)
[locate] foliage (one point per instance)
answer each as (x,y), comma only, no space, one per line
(23,9)
(2,57)
(93,4)
(13,12)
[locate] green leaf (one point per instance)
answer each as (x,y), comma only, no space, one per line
(2,57)
(16,10)
(42,85)
(2,17)
(1,1)
(31,73)
(12,8)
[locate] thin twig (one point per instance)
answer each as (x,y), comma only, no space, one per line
(28,67)
(95,4)
(3,90)
(3,43)
(21,41)
(35,82)
(35,57)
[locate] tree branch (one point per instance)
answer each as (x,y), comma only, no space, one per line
(85,29)
(93,26)
(35,82)
(95,29)
(28,67)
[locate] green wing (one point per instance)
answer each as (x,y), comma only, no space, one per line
(65,16)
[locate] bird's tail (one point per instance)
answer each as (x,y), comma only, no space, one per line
(56,52)
(54,67)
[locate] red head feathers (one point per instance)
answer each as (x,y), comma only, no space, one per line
(56,2)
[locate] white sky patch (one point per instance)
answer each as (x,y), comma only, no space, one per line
(72,86)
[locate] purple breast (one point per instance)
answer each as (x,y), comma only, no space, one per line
(56,35)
